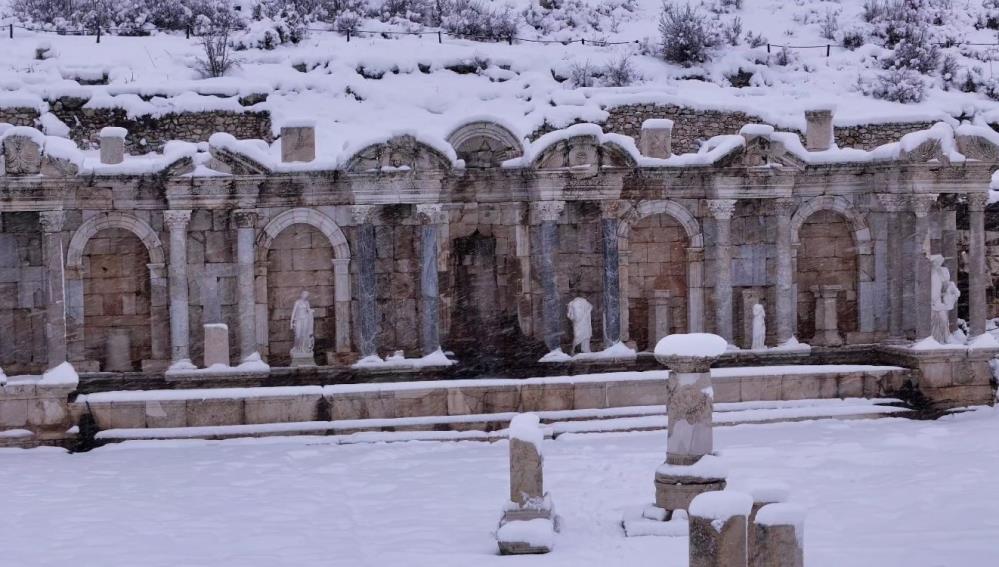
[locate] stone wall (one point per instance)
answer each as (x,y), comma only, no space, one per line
(754,262)
(147,133)
(22,304)
(397,277)
(827,256)
(116,298)
(690,126)
(211,276)
(300,259)
(657,260)
(579,268)
(19,115)
(870,136)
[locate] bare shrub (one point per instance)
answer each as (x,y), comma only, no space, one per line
(218,58)
(685,35)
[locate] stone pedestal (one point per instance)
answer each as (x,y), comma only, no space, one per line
(299,359)
(659,316)
(718,523)
(298,142)
(113,145)
(216,344)
(530,512)
(818,129)
(826,319)
(763,495)
(118,356)
(777,537)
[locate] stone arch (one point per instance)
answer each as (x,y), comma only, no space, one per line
(582,152)
(340,266)
(114,219)
(694,256)
(75,275)
(863,261)
(861,231)
(485,144)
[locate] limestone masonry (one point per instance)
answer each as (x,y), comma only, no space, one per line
(476,248)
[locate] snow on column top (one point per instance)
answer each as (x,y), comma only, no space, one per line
(114,132)
(781,514)
(62,375)
(299,123)
(657,124)
(757,130)
(691,344)
(769,492)
(721,505)
(526,427)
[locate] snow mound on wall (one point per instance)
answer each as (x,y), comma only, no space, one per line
(721,505)
(691,344)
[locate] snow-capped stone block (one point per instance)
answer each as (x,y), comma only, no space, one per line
(656,140)
(22,150)
(777,537)
(113,145)
(298,141)
(526,537)
(704,345)
(216,345)
(718,523)
(819,129)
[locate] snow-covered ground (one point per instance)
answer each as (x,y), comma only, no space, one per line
(888,492)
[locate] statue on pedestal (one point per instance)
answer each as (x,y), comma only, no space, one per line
(759,327)
(943,297)
(579,313)
(302,322)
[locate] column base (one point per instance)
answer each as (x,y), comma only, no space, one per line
(528,530)
(676,491)
(302,359)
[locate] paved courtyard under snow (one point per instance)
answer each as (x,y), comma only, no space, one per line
(878,492)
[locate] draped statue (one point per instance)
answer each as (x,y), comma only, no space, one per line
(302,322)
(943,297)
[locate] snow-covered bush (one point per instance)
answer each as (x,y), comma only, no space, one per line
(582,74)
(829,25)
(125,16)
(990,16)
(915,50)
(218,59)
(896,85)
(473,19)
(853,38)
(732,30)
(619,72)
(549,17)
(686,36)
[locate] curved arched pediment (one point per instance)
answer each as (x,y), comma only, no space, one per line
(485,144)
(400,153)
(583,153)
(234,162)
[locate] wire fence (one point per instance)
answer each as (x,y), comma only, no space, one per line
(349,34)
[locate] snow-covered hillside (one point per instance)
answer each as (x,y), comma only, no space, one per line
(374,85)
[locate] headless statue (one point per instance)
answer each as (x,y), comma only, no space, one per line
(759,327)
(302,321)
(579,313)
(943,297)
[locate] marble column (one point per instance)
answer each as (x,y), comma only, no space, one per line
(246,236)
(434,216)
(921,206)
(783,208)
(367,314)
(977,270)
(177,222)
(548,213)
(612,282)
(695,289)
(894,205)
(948,249)
(721,210)
(55,291)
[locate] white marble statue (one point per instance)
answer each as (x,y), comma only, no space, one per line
(943,297)
(579,313)
(759,327)
(302,321)
(3,377)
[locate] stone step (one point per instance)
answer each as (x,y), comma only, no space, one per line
(489,427)
(458,399)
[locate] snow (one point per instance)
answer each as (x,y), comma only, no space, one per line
(311,501)
(691,344)
(398,360)
(62,375)
(709,467)
(781,514)
(721,505)
(616,351)
(556,355)
(539,532)
(769,492)
(657,124)
(114,132)
(527,427)
(984,340)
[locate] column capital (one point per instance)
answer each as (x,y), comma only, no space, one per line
(548,211)
(612,209)
(51,221)
(893,202)
(721,209)
(361,214)
(695,254)
(921,204)
(783,206)
(176,219)
(432,213)
(977,201)
(245,219)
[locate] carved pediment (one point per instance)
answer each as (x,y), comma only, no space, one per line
(583,156)
(22,155)
(761,151)
(235,163)
(926,151)
(484,144)
(977,147)
(401,153)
